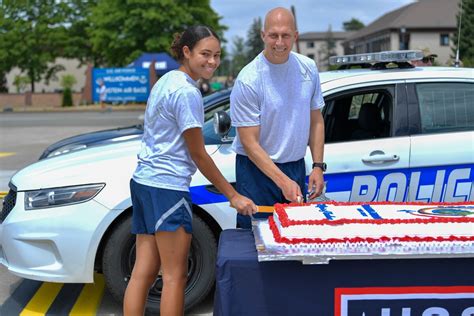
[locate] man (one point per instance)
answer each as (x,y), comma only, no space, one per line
(427,59)
(102,94)
(275,106)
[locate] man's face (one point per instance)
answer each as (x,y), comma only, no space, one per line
(278,36)
(426,61)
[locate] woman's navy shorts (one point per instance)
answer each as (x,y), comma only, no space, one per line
(156,209)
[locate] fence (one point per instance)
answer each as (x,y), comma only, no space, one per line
(32,100)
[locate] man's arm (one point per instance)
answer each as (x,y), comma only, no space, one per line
(316,146)
(249,137)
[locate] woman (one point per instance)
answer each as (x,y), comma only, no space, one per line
(172,147)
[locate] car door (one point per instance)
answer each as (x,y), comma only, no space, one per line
(367,149)
(442,129)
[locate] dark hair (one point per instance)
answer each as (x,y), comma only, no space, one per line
(190,37)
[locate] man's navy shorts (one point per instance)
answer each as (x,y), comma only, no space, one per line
(156,209)
(253,183)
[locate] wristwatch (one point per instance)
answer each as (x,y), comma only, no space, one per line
(321,165)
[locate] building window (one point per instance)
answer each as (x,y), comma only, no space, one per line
(309,44)
(311,56)
(444,39)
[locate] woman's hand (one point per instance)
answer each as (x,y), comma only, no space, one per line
(243,205)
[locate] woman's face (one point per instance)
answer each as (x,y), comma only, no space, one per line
(204,58)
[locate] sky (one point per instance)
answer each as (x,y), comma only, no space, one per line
(311,15)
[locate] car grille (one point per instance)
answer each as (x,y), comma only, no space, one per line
(8,204)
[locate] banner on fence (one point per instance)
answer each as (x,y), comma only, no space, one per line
(122,85)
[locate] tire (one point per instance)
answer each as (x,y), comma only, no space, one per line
(119,257)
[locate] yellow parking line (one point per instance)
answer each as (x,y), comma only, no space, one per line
(90,297)
(6,154)
(3,194)
(42,300)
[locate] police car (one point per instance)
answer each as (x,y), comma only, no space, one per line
(392,134)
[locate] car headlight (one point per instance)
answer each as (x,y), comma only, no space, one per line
(61,196)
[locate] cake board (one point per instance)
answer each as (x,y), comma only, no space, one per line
(269,250)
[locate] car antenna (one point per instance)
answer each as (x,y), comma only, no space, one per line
(456,62)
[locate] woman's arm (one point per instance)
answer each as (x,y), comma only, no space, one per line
(195,143)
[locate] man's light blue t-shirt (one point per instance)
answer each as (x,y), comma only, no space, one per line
(279,99)
(175,105)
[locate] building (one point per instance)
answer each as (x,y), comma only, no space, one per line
(71,67)
(424,25)
(314,45)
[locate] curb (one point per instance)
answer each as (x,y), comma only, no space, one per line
(77,108)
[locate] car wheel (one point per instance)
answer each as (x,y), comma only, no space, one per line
(119,257)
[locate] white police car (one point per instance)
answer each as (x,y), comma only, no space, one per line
(401,134)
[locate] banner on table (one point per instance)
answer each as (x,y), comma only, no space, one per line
(405,301)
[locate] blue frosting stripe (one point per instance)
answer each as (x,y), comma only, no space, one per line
(324,209)
(371,211)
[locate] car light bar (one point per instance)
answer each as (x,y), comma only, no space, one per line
(380,57)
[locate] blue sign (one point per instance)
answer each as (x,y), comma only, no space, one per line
(121,84)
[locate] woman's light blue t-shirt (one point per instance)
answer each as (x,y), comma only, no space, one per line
(175,105)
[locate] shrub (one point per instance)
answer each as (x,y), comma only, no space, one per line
(67,81)
(67,97)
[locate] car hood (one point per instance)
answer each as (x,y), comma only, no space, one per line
(87,166)
(95,138)
(111,164)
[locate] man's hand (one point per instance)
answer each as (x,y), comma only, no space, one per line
(316,183)
(292,191)
(243,205)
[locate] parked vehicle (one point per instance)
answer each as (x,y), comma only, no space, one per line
(391,134)
(115,135)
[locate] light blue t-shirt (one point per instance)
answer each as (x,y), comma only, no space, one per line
(175,105)
(278,98)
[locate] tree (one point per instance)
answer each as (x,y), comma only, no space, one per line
(466,40)
(352,25)
(78,44)
(120,31)
(20,83)
(32,34)
(328,48)
(3,83)
(239,55)
(254,39)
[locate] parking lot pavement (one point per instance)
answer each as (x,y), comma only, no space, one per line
(5,176)
(23,136)
(29,297)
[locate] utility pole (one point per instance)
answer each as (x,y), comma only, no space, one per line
(296,26)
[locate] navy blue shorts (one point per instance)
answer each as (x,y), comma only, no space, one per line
(156,209)
(254,184)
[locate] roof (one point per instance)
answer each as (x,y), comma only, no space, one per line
(334,79)
(424,14)
(323,35)
(163,62)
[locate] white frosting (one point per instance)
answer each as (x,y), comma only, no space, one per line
(373,230)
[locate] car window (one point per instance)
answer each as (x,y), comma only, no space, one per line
(210,137)
(358,115)
(446,107)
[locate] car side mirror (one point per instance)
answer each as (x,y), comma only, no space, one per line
(222,124)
